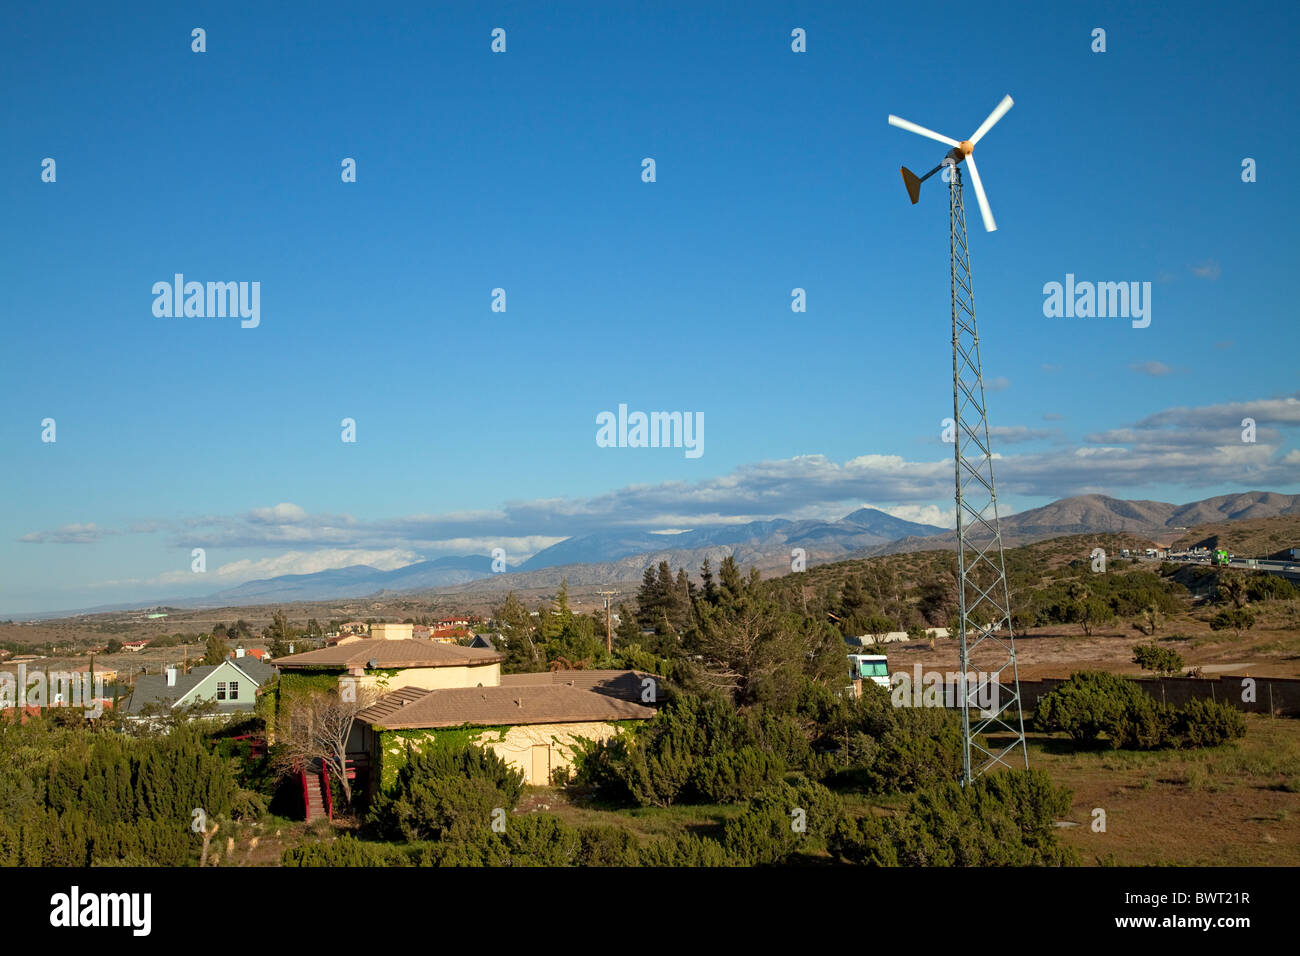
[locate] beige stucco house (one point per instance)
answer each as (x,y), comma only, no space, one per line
(534,725)
(427,693)
(379,665)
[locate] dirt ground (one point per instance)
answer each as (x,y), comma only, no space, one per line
(1235,805)
(1061,650)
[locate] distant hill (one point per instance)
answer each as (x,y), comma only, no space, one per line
(1097,514)
(616,558)
(1261,537)
(355,581)
(1243,507)
(607,556)
(864,527)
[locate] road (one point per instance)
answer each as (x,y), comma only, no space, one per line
(1285,569)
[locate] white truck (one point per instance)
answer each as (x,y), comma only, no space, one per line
(872,667)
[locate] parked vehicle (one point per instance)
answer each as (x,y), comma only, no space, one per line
(872,667)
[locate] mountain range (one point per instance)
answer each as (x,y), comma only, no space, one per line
(622,556)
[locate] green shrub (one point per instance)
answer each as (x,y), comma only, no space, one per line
(1237,619)
(345,851)
(1157,659)
(1207,723)
(604,845)
(534,840)
(1144,724)
(447,794)
(1003,819)
(922,748)
(780,822)
(684,850)
(735,775)
(1087,705)
(695,748)
(1092,703)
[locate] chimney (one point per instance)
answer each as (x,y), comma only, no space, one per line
(171,676)
(239,652)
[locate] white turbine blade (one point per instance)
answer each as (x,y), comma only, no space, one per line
(912,127)
(998,112)
(989,224)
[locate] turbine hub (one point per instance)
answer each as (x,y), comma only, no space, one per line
(966,147)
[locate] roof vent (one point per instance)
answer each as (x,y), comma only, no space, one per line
(372,663)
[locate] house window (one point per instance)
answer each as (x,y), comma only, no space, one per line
(234,690)
(221,690)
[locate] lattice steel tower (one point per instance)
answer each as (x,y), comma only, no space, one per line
(984,600)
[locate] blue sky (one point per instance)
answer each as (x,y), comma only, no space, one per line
(522,171)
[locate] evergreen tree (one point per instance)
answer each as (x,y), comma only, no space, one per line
(517,631)
(710,591)
(217,650)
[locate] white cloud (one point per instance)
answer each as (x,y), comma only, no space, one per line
(923,514)
(283,513)
(1185,447)
(68,534)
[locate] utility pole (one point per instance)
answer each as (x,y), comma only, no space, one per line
(609,634)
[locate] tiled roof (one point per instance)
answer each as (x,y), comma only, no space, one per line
(500,706)
(623,684)
(408,653)
(390,704)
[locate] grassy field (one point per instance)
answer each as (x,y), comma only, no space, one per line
(1235,805)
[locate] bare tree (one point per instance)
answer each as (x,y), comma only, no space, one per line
(316,728)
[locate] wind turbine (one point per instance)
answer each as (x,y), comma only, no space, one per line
(984,600)
(965,150)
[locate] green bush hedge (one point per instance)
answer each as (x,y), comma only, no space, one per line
(1092,703)
(448,794)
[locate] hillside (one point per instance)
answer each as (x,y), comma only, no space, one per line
(1259,537)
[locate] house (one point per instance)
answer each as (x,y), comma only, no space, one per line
(109,674)
(135,646)
(421,690)
(536,726)
(630,685)
(386,665)
(484,640)
(450,634)
(233,685)
(392,632)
